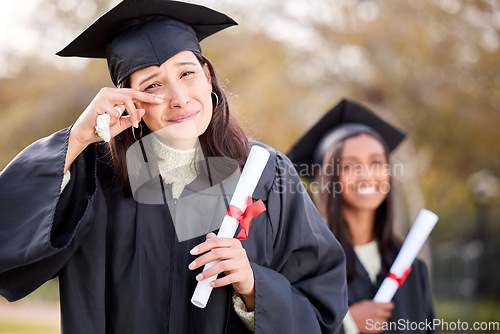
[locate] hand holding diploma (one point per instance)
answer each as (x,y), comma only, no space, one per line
(401,267)
(227,255)
(368,309)
(257,160)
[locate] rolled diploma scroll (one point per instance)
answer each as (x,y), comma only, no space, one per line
(425,222)
(102,124)
(256,161)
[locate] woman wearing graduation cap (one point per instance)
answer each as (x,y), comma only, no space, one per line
(101,216)
(346,155)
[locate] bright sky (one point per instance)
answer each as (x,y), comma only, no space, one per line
(286,20)
(14,18)
(20,36)
(17,34)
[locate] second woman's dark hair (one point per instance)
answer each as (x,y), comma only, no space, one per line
(224,136)
(330,207)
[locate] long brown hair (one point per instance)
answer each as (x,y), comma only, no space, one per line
(330,207)
(224,136)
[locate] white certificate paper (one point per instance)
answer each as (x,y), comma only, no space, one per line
(425,222)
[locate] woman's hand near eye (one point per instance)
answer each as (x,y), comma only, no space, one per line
(83,131)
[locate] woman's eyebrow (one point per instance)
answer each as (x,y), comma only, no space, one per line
(348,157)
(184,63)
(154,75)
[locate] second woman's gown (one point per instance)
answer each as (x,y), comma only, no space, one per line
(413,310)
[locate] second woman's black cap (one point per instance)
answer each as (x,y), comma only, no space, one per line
(344,120)
(140,33)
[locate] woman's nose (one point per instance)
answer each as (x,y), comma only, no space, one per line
(366,171)
(175,96)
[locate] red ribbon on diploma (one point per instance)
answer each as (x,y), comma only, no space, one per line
(401,279)
(245,218)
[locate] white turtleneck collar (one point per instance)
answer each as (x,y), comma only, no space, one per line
(177,167)
(369,256)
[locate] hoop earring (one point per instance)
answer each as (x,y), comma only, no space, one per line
(216,100)
(140,131)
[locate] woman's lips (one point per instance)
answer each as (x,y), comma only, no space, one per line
(183,118)
(367,190)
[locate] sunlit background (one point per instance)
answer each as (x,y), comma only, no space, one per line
(432,67)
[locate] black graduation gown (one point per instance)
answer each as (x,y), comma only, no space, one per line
(413,305)
(122,270)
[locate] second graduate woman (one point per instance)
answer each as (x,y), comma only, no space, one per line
(347,154)
(121,263)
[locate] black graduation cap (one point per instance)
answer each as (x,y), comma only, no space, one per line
(140,33)
(346,119)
